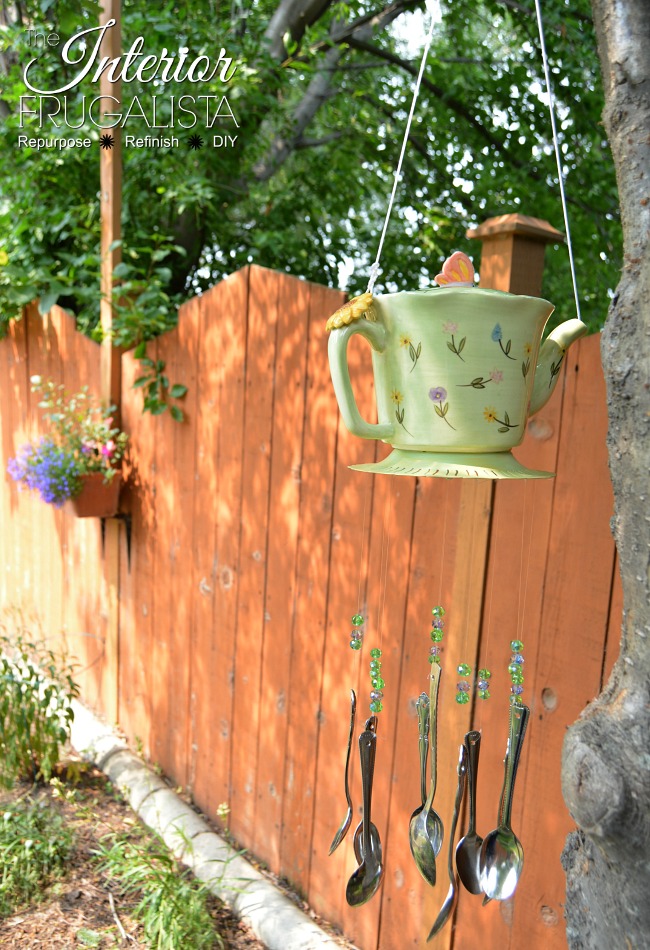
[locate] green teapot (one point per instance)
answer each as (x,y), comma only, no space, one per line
(458,371)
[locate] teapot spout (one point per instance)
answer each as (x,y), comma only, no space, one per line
(550,360)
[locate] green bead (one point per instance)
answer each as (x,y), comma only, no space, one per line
(463,669)
(438,611)
(375,665)
(357,620)
(462,698)
(484,694)
(376,706)
(436,635)
(515,669)
(434,659)
(377,682)
(516,646)
(356,644)
(484,674)
(375,652)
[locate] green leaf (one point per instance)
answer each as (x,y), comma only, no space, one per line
(140,381)
(46,302)
(177,413)
(140,350)
(506,418)
(461,345)
(89,938)
(178,391)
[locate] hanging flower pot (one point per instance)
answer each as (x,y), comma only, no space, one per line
(78,460)
(98,498)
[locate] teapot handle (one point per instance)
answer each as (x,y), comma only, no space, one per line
(375,334)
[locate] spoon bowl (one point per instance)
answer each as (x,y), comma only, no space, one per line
(365,881)
(502,858)
(425,828)
(502,855)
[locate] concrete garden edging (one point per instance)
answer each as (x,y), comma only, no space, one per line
(274,919)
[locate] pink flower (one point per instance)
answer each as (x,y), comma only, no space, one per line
(496,376)
(108,449)
(450,328)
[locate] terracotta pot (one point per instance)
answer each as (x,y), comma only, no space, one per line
(97,498)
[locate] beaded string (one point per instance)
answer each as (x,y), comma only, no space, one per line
(515,669)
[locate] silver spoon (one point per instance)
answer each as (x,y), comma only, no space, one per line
(422,706)
(502,855)
(345,824)
(425,829)
(375,841)
(468,852)
(368,876)
(452,893)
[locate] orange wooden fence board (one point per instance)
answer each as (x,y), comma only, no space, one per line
(288,400)
(263,297)
(347,593)
(311,598)
(252,544)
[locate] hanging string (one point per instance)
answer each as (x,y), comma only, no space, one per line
(374,270)
(558,157)
(383,567)
(363,544)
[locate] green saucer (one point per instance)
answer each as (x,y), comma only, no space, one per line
(451,465)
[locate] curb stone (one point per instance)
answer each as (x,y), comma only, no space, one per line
(274,919)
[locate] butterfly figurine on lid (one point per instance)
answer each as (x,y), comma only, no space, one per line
(458,371)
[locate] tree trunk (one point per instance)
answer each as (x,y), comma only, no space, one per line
(606,758)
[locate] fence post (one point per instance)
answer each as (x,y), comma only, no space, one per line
(111,357)
(512,256)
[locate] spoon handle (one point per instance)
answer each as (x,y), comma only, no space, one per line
(343,829)
(519,715)
(433,714)
(422,706)
(353,710)
(367,750)
(450,899)
(473,749)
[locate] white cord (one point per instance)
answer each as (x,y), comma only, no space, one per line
(558,157)
(374,270)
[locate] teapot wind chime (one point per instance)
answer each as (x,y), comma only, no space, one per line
(458,370)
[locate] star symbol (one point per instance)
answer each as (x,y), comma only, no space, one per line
(107,141)
(195,142)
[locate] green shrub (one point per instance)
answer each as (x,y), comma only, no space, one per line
(172,904)
(34,846)
(36,693)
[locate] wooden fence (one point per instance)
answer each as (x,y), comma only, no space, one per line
(218,633)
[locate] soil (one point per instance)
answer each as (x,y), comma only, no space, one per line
(80,901)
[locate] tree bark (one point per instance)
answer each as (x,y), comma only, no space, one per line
(606,757)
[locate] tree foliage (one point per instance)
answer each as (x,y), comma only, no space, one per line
(321,95)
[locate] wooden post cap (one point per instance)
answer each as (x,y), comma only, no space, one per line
(512,256)
(522,224)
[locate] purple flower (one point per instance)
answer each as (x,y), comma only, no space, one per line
(438,394)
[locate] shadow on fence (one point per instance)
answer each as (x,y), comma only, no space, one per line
(250,546)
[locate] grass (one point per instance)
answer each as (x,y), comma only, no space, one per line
(172,905)
(34,847)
